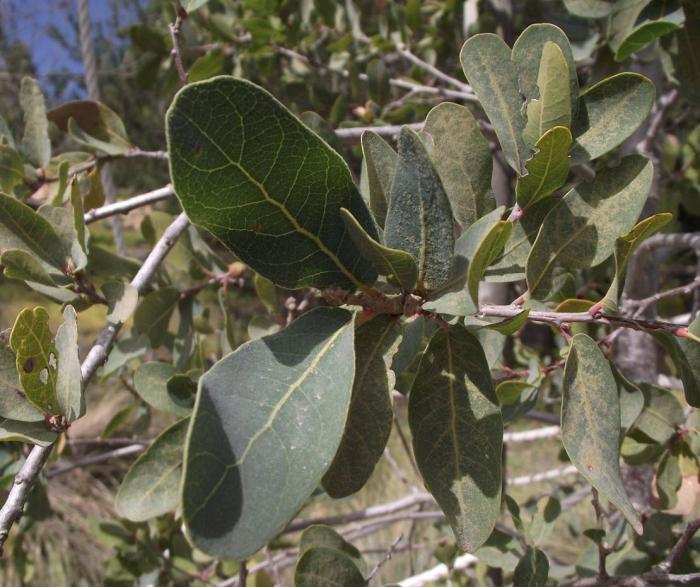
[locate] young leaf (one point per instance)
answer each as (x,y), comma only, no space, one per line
(151,487)
(419,220)
(532,569)
(660,22)
(19,264)
(581,229)
(13,403)
(488,249)
(93,125)
(266,423)
(322,566)
(486,61)
(69,381)
(609,112)
(151,383)
(511,325)
(624,247)
(22,228)
(590,423)
(547,170)
(553,107)
(279,214)
(153,314)
(527,55)
(36,358)
(370,415)
(457,434)
(35,140)
(462,158)
(380,160)
(397,265)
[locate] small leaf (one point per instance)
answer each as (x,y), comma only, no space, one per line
(661,416)
(36,358)
(380,160)
(511,325)
(14,405)
(609,112)
(624,247)
(92,125)
(547,170)
(321,567)
(151,383)
(489,248)
(419,220)
(151,487)
(532,569)
(454,416)
(62,219)
(319,535)
(370,415)
(22,228)
(582,228)
(508,392)
(122,298)
(12,168)
(266,423)
(685,354)
(462,158)
(69,381)
(590,423)
(486,61)
(553,107)
(19,264)
(153,314)
(590,8)
(542,525)
(668,479)
(32,432)
(397,265)
(527,54)
(279,213)
(651,26)
(35,141)
(378,82)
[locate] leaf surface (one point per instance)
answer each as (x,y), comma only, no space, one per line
(590,423)
(380,160)
(69,381)
(532,569)
(14,405)
(153,314)
(486,61)
(35,141)
(267,422)
(265,185)
(325,567)
(458,434)
(547,170)
(370,415)
(488,249)
(151,383)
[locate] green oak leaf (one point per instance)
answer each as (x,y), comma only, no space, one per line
(419,220)
(370,415)
(267,421)
(69,381)
(32,432)
(397,265)
(321,567)
(153,314)
(581,230)
(151,487)
(265,185)
(511,325)
(527,55)
(70,231)
(457,432)
(36,358)
(609,112)
(547,170)
(319,535)
(655,21)
(151,383)
(12,168)
(462,158)
(14,404)
(122,298)
(553,107)
(380,160)
(532,569)
(486,61)
(590,423)
(19,264)
(624,247)
(685,354)
(488,249)
(36,145)
(92,125)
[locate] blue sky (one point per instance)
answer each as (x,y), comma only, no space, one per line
(31,20)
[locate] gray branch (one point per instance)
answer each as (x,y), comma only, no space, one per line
(125,206)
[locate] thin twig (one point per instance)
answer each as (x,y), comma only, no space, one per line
(679,547)
(132,203)
(25,479)
(602,547)
(243,573)
(661,108)
(117,453)
(387,557)
(435,72)
(175,30)
(644,303)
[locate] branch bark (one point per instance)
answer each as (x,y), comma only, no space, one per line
(125,206)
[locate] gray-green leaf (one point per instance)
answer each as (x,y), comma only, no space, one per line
(486,61)
(153,314)
(265,185)
(380,160)
(532,569)
(458,433)
(322,567)
(13,403)
(267,421)
(151,487)
(69,382)
(590,423)
(35,140)
(370,414)
(151,383)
